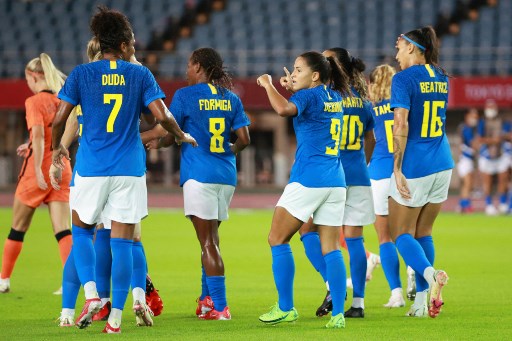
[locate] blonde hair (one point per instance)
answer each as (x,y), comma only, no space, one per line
(380,80)
(94,50)
(44,67)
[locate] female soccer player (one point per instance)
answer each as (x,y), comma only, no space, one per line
(466,164)
(423,163)
(316,107)
(44,80)
(110,165)
(209,110)
(381,169)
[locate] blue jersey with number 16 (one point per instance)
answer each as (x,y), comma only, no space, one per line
(423,90)
(111,95)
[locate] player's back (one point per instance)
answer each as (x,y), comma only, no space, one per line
(111,94)
(381,164)
(208,113)
(41,109)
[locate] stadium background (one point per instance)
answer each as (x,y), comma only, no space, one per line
(254,37)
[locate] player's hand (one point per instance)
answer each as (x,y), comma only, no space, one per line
(41,182)
(187,138)
(264,80)
(22,150)
(57,156)
(55,177)
(153,144)
(401,185)
(286,81)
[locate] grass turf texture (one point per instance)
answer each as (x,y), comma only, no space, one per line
(474,250)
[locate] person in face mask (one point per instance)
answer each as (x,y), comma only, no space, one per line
(493,158)
(465,166)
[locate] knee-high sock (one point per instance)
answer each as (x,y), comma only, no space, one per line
(122,269)
(427,244)
(139,266)
(85,260)
(412,253)
(103,262)
(390,264)
(336,275)
(217,288)
(358,265)
(204,286)
(313,250)
(12,248)
(283,267)
(65,242)
(70,283)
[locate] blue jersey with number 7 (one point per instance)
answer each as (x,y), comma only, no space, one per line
(111,95)
(423,90)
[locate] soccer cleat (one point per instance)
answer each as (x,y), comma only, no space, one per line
(490,210)
(142,314)
(216,315)
(436,301)
(418,310)
(371,263)
(91,307)
(104,312)
(58,291)
(276,315)
(395,301)
(349,283)
(354,313)
(326,306)
(204,306)
(336,322)
(4,287)
(411,284)
(66,321)
(153,299)
(503,208)
(109,329)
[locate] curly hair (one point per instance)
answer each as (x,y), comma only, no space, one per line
(380,81)
(111,28)
(212,63)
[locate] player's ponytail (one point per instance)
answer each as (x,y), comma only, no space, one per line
(380,83)
(211,61)
(339,79)
(354,68)
(43,67)
(94,50)
(329,70)
(426,41)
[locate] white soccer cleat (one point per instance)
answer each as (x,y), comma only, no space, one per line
(58,291)
(490,210)
(418,310)
(411,284)
(66,320)
(436,300)
(5,286)
(503,208)
(142,314)
(395,301)
(371,263)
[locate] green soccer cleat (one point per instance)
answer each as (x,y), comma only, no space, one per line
(276,315)
(336,322)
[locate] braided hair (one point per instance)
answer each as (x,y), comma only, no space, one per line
(212,63)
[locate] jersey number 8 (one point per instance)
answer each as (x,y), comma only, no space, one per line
(217,127)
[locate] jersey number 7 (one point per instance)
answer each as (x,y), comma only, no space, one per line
(118,101)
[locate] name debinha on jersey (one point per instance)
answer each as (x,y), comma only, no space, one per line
(112,79)
(333,106)
(382,109)
(215,104)
(428,87)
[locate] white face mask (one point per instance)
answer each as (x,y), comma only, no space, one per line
(490,113)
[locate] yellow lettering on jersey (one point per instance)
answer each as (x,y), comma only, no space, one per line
(382,109)
(333,106)
(112,79)
(352,102)
(429,87)
(215,104)
(113,64)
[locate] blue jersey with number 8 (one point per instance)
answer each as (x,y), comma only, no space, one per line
(111,95)
(423,90)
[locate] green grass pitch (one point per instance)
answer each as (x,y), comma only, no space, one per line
(475,251)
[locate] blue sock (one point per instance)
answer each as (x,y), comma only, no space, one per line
(70,283)
(85,262)
(336,275)
(390,264)
(217,287)
(122,268)
(139,266)
(313,250)
(465,203)
(103,262)
(283,268)
(488,200)
(412,253)
(427,244)
(503,198)
(358,265)
(204,286)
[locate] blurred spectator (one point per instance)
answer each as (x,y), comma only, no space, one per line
(466,163)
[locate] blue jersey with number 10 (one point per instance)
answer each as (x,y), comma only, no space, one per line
(111,95)
(423,90)
(381,164)
(318,129)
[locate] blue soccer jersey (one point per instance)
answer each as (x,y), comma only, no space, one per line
(111,95)
(468,134)
(357,120)
(423,90)
(209,114)
(381,164)
(317,127)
